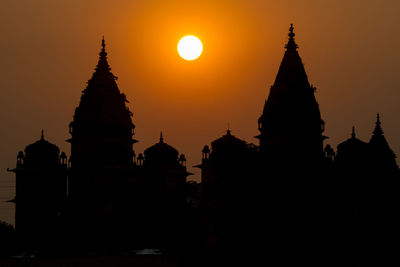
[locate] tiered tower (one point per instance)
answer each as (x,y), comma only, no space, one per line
(291,122)
(102,127)
(103,177)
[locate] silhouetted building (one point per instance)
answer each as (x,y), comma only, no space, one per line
(162,194)
(277,192)
(224,167)
(227,174)
(41,191)
(166,169)
(294,199)
(102,128)
(117,199)
(354,155)
(367,179)
(291,122)
(102,180)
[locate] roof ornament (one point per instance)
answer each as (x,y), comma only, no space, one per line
(103,64)
(291,45)
(291,33)
(353,132)
(161,138)
(103,45)
(103,53)
(42,135)
(228,132)
(378,130)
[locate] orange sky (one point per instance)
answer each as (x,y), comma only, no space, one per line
(49,49)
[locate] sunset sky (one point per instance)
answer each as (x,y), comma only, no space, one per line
(48,51)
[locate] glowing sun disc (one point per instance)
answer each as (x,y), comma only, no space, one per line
(190,47)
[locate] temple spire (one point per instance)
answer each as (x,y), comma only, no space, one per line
(291,99)
(291,45)
(42,135)
(378,128)
(353,132)
(161,138)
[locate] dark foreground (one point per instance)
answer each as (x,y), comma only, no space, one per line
(157,261)
(100,261)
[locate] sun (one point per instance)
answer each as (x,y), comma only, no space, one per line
(190,47)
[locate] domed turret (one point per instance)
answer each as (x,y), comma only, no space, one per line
(227,146)
(353,150)
(161,153)
(41,154)
(41,191)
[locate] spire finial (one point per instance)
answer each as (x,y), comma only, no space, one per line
(161,137)
(291,33)
(42,135)
(291,45)
(228,132)
(353,132)
(102,65)
(103,45)
(378,129)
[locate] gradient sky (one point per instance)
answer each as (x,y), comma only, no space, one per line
(48,50)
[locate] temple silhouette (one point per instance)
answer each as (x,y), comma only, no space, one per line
(298,199)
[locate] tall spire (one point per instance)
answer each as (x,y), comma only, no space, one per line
(291,45)
(353,132)
(291,100)
(42,135)
(378,128)
(102,119)
(161,138)
(102,65)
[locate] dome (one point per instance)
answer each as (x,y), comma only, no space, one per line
(161,152)
(41,153)
(352,149)
(227,142)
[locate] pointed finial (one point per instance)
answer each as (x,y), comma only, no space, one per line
(291,33)
(378,129)
(228,132)
(102,65)
(42,135)
(353,132)
(291,43)
(103,45)
(161,138)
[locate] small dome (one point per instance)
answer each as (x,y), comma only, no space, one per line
(352,149)
(161,152)
(228,142)
(41,153)
(351,143)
